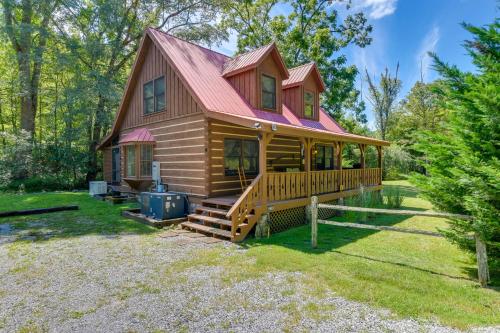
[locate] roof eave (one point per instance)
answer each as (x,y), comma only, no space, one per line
(290,130)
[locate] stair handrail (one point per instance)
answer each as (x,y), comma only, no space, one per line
(244,205)
(243,195)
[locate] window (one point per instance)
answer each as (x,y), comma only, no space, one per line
(268,92)
(241,154)
(324,157)
(130,158)
(146,160)
(308,104)
(154,95)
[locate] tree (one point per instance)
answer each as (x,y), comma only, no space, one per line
(311,32)
(463,160)
(419,110)
(101,38)
(383,98)
(27,26)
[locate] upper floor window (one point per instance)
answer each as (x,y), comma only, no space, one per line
(308,104)
(268,84)
(324,157)
(154,95)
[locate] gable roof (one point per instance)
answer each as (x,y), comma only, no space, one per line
(300,73)
(201,72)
(254,58)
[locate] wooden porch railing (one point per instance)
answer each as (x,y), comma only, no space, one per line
(286,185)
(351,179)
(292,185)
(324,181)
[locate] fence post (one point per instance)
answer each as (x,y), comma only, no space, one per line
(314,222)
(482,262)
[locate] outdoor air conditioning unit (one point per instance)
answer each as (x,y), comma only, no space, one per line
(98,187)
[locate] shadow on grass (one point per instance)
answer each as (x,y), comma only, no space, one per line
(93,218)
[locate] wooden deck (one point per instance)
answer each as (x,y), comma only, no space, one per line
(233,217)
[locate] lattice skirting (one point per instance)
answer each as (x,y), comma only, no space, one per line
(288,218)
(325,214)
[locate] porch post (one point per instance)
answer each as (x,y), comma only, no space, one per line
(307,164)
(340,148)
(362,148)
(263,142)
(263,166)
(380,162)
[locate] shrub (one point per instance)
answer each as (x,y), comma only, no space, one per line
(393,197)
(397,163)
(370,199)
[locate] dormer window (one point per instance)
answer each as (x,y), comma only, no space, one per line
(308,104)
(154,95)
(268,84)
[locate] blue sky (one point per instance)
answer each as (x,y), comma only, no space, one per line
(404,31)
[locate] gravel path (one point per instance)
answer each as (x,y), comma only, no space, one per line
(128,283)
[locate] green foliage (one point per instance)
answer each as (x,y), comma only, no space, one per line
(371,199)
(419,110)
(311,32)
(393,197)
(89,50)
(383,98)
(463,160)
(397,162)
(15,156)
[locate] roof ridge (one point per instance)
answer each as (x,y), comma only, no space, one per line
(260,47)
(303,65)
(192,43)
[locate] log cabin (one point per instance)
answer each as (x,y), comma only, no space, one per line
(243,137)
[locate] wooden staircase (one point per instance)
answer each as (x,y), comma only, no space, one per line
(230,218)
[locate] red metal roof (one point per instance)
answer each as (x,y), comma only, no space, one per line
(300,73)
(139,135)
(246,60)
(201,70)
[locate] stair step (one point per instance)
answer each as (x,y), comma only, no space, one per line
(211,210)
(222,201)
(206,229)
(210,219)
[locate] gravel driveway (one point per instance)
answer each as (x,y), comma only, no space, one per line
(129,283)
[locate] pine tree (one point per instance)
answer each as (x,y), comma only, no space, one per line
(463,160)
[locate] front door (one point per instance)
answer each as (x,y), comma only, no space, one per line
(115,165)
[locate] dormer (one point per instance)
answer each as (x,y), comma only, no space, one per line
(301,91)
(257,76)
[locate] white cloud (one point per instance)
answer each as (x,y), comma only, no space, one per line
(428,44)
(376,9)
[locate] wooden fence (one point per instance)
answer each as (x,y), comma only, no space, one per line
(482,259)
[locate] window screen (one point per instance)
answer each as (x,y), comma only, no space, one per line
(268,92)
(130,156)
(241,154)
(146,160)
(154,95)
(308,104)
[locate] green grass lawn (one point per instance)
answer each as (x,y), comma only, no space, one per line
(419,276)
(94,217)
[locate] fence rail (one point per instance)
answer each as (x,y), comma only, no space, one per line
(482,260)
